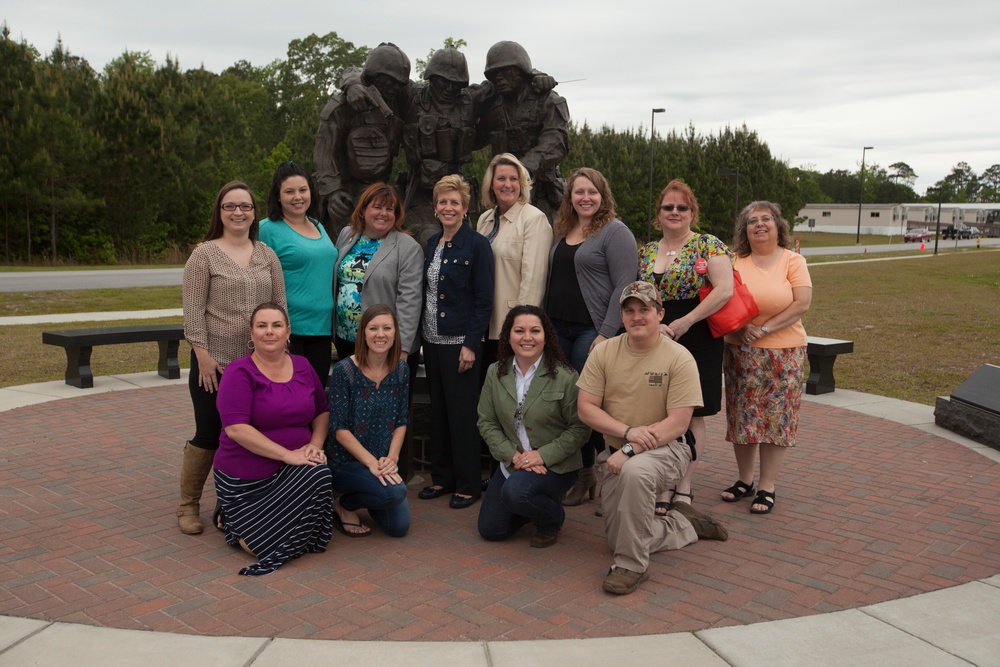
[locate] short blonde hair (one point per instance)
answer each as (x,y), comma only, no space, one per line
(489,199)
(453,182)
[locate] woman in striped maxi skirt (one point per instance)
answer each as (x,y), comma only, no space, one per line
(274,487)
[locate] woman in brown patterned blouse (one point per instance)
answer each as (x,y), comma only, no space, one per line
(226,277)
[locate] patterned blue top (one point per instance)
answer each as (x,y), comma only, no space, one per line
(350,276)
(371,413)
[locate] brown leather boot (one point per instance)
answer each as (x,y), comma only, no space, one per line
(194,471)
(585,485)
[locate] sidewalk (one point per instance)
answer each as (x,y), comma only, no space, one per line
(882,550)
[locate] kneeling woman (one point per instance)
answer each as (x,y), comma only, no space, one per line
(273,485)
(527,416)
(369,411)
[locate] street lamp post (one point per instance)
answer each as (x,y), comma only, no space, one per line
(937,229)
(861,199)
(733,171)
(652,138)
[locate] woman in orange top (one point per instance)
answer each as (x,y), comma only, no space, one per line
(763,362)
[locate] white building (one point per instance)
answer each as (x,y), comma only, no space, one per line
(893,219)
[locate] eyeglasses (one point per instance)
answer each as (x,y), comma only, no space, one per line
(762,219)
(232,207)
(669,208)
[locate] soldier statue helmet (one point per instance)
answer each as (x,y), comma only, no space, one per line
(507,54)
(448,63)
(388,59)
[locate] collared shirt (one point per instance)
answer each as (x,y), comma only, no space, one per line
(522,382)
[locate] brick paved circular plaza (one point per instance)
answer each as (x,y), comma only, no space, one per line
(867,511)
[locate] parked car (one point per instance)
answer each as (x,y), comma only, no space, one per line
(917,236)
(959,232)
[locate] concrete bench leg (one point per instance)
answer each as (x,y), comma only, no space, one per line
(168,366)
(821,380)
(78,373)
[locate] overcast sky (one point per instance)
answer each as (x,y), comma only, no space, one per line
(919,81)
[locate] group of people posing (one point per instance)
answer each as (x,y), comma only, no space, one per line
(584,363)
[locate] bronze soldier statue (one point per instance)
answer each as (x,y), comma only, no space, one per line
(438,135)
(532,125)
(356,148)
(442,121)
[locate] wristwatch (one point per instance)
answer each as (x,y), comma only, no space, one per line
(763,329)
(627,450)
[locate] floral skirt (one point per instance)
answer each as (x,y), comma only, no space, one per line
(279,518)
(763,394)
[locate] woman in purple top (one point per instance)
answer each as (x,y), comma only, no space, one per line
(274,488)
(369,412)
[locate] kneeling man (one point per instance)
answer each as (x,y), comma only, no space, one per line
(640,389)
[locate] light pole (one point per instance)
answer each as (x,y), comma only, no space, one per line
(861,200)
(652,138)
(937,230)
(733,171)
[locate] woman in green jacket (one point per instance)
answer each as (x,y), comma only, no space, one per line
(527,416)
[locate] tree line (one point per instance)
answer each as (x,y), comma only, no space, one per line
(122,165)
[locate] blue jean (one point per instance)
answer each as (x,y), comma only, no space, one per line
(575,341)
(357,488)
(524,496)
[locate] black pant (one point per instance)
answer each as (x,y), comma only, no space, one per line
(454,396)
(317,350)
(207,423)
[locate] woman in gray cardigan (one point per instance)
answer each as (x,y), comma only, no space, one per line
(593,259)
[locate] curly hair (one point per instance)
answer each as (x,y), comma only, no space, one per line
(552,352)
(741,243)
(567,218)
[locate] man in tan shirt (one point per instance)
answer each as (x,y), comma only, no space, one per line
(640,389)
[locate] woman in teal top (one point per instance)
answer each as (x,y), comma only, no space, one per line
(307,257)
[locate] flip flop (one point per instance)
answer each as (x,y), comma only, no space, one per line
(342,525)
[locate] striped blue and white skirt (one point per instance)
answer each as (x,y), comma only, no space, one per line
(279,518)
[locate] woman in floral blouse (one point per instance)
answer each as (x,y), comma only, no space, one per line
(680,264)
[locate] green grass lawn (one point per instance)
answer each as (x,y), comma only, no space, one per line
(920,326)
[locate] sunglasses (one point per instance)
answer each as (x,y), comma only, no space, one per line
(669,208)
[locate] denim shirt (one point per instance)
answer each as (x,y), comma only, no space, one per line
(465,287)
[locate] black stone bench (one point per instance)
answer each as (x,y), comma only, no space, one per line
(822,352)
(80,342)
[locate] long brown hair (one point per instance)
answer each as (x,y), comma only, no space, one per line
(552,353)
(567,218)
(215,227)
(361,341)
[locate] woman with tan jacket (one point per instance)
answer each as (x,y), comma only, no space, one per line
(520,236)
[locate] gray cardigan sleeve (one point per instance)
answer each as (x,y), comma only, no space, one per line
(623,264)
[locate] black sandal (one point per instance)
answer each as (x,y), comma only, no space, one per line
(661,505)
(218,519)
(765,498)
(738,490)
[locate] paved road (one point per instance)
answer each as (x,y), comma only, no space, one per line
(895,247)
(39,281)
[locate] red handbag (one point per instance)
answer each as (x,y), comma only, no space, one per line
(738,311)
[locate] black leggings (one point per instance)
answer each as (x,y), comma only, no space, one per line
(317,350)
(207,423)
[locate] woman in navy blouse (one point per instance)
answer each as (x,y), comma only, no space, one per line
(369,412)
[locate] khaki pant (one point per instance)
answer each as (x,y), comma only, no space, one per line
(634,531)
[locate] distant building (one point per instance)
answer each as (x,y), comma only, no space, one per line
(894,219)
